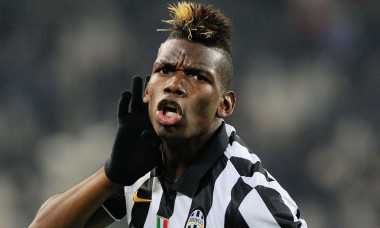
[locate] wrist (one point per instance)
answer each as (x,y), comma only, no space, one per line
(110,185)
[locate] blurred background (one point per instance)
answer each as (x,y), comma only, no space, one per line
(306,75)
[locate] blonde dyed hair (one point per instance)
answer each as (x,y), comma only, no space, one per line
(199,23)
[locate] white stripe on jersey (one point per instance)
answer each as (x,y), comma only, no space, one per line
(222,196)
(129,191)
(229,129)
(237,150)
(262,216)
(181,210)
(151,221)
(259,179)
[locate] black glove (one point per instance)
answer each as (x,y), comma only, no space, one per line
(136,147)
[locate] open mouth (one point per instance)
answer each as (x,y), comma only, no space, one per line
(169,112)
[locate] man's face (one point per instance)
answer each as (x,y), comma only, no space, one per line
(184,91)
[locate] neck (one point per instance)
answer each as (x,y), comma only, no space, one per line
(180,154)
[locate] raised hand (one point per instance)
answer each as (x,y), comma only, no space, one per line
(136,147)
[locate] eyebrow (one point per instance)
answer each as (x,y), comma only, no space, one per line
(164,63)
(197,68)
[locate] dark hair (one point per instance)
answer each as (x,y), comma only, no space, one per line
(203,24)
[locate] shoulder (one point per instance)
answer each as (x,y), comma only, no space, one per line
(259,198)
(243,160)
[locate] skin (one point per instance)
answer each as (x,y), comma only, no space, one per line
(184,72)
(80,206)
(187,73)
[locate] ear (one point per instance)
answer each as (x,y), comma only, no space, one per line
(146,94)
(227,105)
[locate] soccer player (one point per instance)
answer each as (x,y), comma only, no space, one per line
(175,162)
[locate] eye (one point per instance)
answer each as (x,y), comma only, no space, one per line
(200,78)
(164,70)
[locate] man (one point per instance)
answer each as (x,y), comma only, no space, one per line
(175,163)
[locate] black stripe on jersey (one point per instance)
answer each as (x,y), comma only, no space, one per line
(168,198)
(140,209)
(298,214)
(233,218)
(277,207)
(203,197)
(235,138)
(247,169)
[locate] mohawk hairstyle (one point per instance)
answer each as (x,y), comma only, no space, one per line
(201,24)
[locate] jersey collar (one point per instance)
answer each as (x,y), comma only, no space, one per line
(214,148)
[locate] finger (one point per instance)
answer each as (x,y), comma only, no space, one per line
(124,103)
(136,94)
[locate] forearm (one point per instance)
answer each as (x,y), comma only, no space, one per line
(74,207)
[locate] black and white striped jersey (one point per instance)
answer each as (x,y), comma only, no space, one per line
(226,187)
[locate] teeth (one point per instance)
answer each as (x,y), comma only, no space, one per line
(170,106)
(170,114)
(170,110)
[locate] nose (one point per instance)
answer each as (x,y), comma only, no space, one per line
(176,84)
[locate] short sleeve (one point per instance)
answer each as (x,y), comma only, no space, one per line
(265,207)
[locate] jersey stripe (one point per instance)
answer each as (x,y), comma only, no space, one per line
(233,218)
(181,210)
(129,192)
(151,220)
(235,138)
(276,206)
(167,200)
(140,209)
(204,199)
(237,150)
(246,168)
(239,221)
(222,195)
(255,212)
(259,179)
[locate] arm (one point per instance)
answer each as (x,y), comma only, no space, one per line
(134,153)
(76,206)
